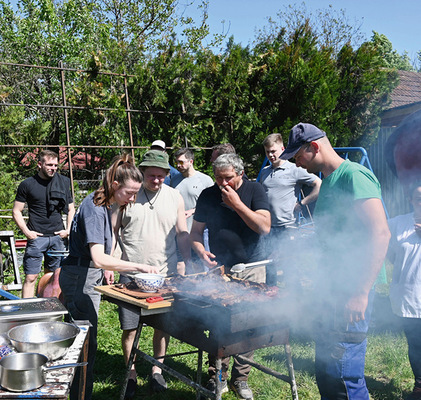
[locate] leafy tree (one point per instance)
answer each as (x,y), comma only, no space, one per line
(101,35)
(43,33)
(330,27)
(300,69)
(298,79)
(365,86)
(8,183)
(390,57)
(199,99)
(139,28)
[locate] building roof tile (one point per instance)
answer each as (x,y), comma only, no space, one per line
(408,90)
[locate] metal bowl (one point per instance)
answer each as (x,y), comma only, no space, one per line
(51,338)
(149,283)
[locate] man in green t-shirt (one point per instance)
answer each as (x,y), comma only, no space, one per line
(352,236)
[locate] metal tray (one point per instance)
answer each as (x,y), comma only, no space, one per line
(22,311)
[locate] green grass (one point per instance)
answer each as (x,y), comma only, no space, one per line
(388,373)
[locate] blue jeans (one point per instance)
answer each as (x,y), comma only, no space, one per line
(340,357)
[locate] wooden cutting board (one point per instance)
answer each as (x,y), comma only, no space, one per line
(138,294)
(111,291)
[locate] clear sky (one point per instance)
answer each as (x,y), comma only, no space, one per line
(399,20)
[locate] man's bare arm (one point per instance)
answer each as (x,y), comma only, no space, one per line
(373,218)
(18,207)
(196,236)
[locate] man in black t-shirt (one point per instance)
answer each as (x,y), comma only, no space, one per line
(47,195)
(236,212)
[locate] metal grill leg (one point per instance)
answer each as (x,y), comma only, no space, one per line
(199,371)
(291,372)
(218,366)
(131,358)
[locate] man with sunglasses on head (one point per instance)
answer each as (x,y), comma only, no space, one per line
(190,183)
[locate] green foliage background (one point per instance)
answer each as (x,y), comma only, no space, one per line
(302,68)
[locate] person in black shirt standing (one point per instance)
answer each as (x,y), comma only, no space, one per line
(47,195)
(236,212)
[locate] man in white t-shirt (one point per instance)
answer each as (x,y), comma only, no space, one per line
(190,184)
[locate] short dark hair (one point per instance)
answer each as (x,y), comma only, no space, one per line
(186,152)
(273,138)
(47,154)
(224,148)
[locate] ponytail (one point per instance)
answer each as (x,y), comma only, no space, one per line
(121,170)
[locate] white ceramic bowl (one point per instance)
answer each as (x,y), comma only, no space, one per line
(149,282)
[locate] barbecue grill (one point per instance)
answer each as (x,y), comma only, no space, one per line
(231,318)
(241,317)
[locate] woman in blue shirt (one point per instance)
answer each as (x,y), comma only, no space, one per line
(91,245)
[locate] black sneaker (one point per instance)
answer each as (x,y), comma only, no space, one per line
(416,393)
(130,389)
(242,390)
(414,396)
(158,383)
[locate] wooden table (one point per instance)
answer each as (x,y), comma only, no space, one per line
(58,382)
(140,307)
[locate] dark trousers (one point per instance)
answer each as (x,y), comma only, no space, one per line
(240,371)
(77,284)
(412,329)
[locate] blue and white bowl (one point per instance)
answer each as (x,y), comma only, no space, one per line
(149,283)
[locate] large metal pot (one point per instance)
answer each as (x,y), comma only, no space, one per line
(51,338)
(21,372)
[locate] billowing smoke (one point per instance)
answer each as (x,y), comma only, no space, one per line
(403,149)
